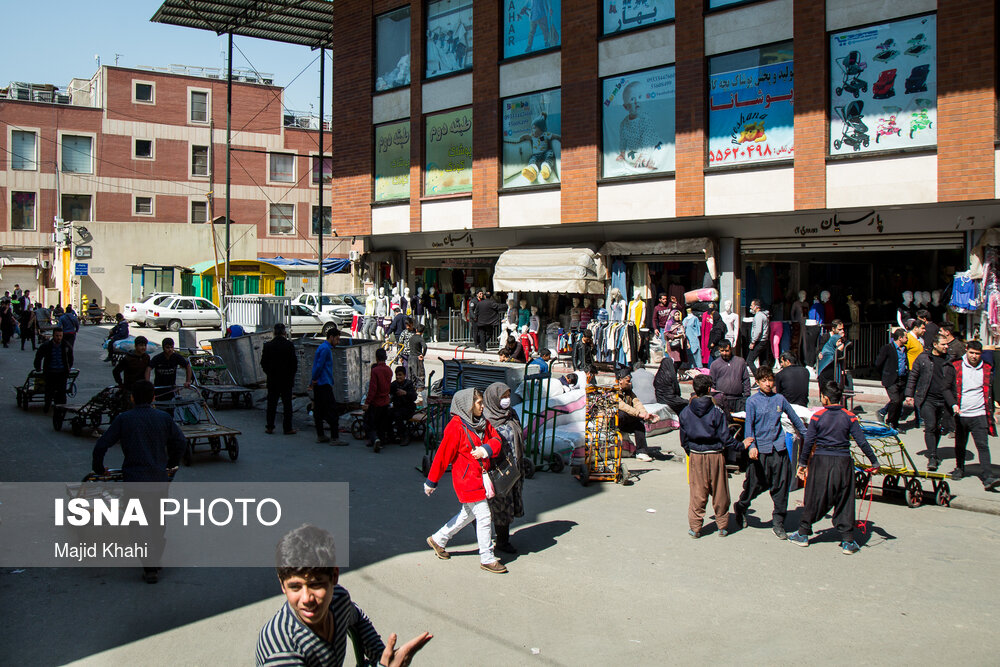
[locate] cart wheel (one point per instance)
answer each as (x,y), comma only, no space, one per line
(890,483)
(584,475)
(529,467)
(58,416)
(623,475)
(860,483)
(20,398)
(556,464)
(419,430)
(836,144)
(216,400)
(187,454)
(914,493)
(425,464)
(942,496)
(77,425)
(233,447)
(358,429)
(216,444)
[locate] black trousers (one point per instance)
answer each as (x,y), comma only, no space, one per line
(731,404)
(825,375)
(70,338)
(770,472)
(830,485)
(677,404)
(28,333)
(325,410)
(377,422)
(55,388)
(895,406)
(482,335)
(279,391)
(811,339)
(980,430)
(759,351)
(934,416)
(637,427)
(400,415)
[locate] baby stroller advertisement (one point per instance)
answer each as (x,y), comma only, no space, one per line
(883,88)
(638,121)
(750,115)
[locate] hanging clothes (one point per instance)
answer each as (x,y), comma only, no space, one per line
(619,280)
(640,280)
(706,330)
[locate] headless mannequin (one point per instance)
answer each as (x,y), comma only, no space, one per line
(574,314)
(637,310)
(431,309)
(905,310)
(775,333)
(404,302)
(854,311)
(586,314)
(706,332)
(799,310)
(814,322)
(732,321)
(370,307)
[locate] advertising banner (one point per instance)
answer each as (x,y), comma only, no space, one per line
(448,152)
(532,144)
(392,161)
(638,121)
(622,15)
(530,25)
(449,36)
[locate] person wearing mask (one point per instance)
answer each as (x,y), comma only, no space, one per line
(931,389)
(891,366)
(133,366)
(632,415)
(975,397)
(770,468)
(70,324)
(705,435)
(758,336)
(504,509)
(280,364)
(117,333)
(584,352)
(731,378)
(376,403)
(321,384)
(54,359)
(792,381)
(467,445)
(667,388)
(831,469)
(826,360)
(163,368)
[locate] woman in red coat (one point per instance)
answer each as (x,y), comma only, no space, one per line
(468,444)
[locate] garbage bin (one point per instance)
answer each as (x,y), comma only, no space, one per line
(242,356)
(352,363)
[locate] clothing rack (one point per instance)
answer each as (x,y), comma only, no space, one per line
(616,342)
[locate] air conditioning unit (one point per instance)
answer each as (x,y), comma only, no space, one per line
(354,255)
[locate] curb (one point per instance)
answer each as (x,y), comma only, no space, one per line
(976,505)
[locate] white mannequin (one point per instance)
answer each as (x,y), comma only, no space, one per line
(732,321)
(936,298)
(382,304)
(394,301)
(418,306)
(616,307)
(824,296)
(534,323)
(509,325)
(574,314)
(903,312)
(637,310)
(800,308)
(431,319)
(369,326)
(370,303)
(404,303)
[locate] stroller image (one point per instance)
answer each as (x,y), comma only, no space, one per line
(887,124)
(885,51)
(884,88)
(852,66)
(855,132)
(917,46)
(921,118)
(917,81)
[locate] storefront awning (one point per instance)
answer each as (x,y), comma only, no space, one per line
(694,246)
(558,270)
(18,261)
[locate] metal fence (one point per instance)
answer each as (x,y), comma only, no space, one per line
(868,338)
(460,331)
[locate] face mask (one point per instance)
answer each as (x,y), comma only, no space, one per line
(505,403)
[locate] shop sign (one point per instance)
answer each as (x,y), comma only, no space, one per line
(836,223)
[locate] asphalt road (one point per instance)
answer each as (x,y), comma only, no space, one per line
(600,579)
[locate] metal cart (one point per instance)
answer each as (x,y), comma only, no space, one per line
(602,441)
(199,425)
(34,386)
(900,475)
(539,426)
(101,409)
(437,414)
(216,382)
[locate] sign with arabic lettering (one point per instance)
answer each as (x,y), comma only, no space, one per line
(532,143)
(448,138)
(883,87)
(750,116)
(622,15)
(392,161)
(638,112)
(530,25)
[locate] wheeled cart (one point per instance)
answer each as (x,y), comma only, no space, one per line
(199,425)
(900,475)
(33,388)
(602,461)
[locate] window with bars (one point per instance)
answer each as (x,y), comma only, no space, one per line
(199,160)
(281,220)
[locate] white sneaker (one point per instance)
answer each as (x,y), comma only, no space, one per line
(643,456)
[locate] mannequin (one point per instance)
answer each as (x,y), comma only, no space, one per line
(732,321)
(370,306)
(574,314)
(637,309)
(508,327)
(529,341)
(394,301)
(854,310)
(382,304)
(937,311)
(814,322)
(601,313)
(905,310)
(417,305)
(616,306)
(523,314)
(799,310)
(824,296)
(776,331)
(692,330)
(404,302)
(706,331)
(431,309)
(534,323)
(586,314)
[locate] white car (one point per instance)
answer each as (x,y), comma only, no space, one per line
(184,311)
(343,314)
(135,313)
(305,320)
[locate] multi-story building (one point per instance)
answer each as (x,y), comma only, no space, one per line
(133,160)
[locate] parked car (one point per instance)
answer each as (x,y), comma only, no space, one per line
(135,313)
(184,311)
(355,301)
(305,320)
(343,314)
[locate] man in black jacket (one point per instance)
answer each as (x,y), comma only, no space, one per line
(704,436)
(666,386)
(931,387)
(930,329)
(486,315)
(584,351)
(792,381)
(280,363)
(891,366)
(54,358)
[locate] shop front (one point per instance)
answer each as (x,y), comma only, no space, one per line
(454,275)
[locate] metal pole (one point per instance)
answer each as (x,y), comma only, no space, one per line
(229,129)
(322,102)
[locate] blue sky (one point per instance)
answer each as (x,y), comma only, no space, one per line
(52,41)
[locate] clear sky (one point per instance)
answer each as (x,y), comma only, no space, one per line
(52,41)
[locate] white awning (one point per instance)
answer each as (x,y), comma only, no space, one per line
(558,270)
(18,261)
(701,245)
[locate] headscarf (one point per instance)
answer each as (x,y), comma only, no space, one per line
(461,407)
(504,420)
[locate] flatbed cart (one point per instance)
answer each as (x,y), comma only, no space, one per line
(602,461)
(900,474)
(216,382)
(198,424)
(101,409)
(34,386)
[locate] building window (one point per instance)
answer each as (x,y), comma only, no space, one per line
(750,106)
(281,220)
(392,161)
(448,153)
(199,106)
(76,208)
(77,154)
(449,36)
(142,92)
(143,205)
(327,220)
(532,143)
(199,212)
(282,168)
(144,148)
(638,123)
(22,211)
(531,26)
(199,160)
(392,49)
(621,16)
(883,87)
(327,170)
(24,150)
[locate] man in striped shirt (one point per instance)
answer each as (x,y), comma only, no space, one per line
(312,627)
